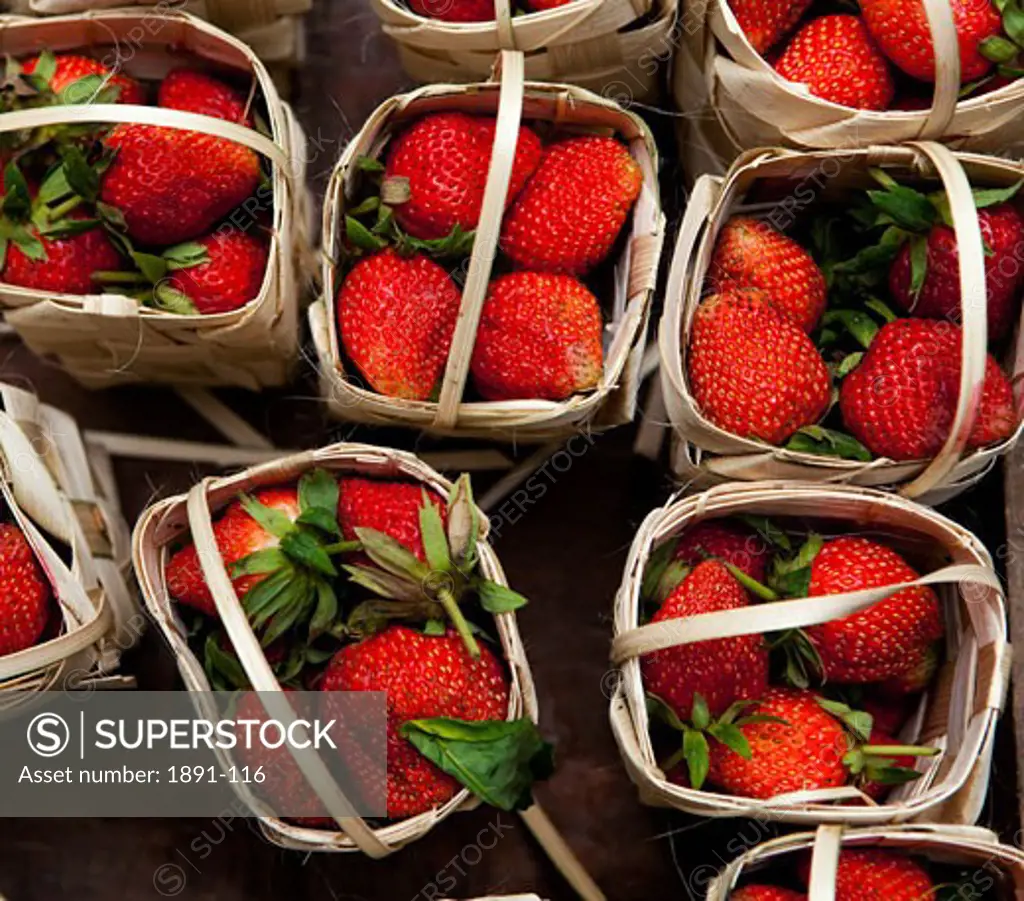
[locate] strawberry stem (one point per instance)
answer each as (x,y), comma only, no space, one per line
(119,278)
(672,762)
(752,585)
(58,212)
(898,751)
(343,547)
(451,607)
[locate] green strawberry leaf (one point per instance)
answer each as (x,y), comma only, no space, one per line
(497,761)
(3,251)
(1013,21)
(859,722)
(46,66)
(697,756)
(875,258)
(497,599)
(814,439)
(861,326)
(884,772)
(986,197)
(80,176)
(370,205)
(28,243)
(304,547)
(173,301)
(298,599)
(463,525)
(918,265)
(89,89)
(998,49)
(657,563)
(66,228)
(767,529)
(264,598)
(457,243)
(151,265)
(392,556)
(360,236)
(903,206)
(731,736)
(318,489)
(273,521)
(369,164)
(848,364)
(671,579)
(435,627)
(435,541)
(384,583)
(326,609)
(112,217)
(700,715)
(881,308)
(320,518)
(185,256)
(17,204)
(223,668)
(660,709)
(267,560)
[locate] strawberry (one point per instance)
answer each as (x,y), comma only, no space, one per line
(455,10)
(440,163)
(725,540)
(539,337)
(835,57)
(25,596)
(765,893)
(750,253)
(386,506)
(766,22)
(721,671)
(196,92)
(230,274)
(901,29)
(883,640)
(571,211)
(938,297)
(396,318)
(889,714)
(872,874)
(924,664)
(753,372)
(425,677)
(67,68)
(899,402)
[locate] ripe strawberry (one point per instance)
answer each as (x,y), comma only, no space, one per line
(765,893)
(455,10)
(871,874)
(231,275)
(389,507)
(839,62)
(1002,229)
(901,29)
(924,664)
(539,337)
(722,671)
(883,640)
(569,214)
(445,157)
(899,402)
(750,253)
(67,263)
(396,318)
(196,92)
(24,592)
(725,540)
(753,372)
(237,535)
(766,22)
(889,714)
(424,677)
(71,67)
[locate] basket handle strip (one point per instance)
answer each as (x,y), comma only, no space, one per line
(828,841)
(973,310)
(778,615)
(503,22)
(262,676)
(946,50)
(485,244)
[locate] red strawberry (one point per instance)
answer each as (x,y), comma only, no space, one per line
(883,640)
(924,664)
(569,214)
(889,714)
(455,10)
(396,318)
(725,540)
(238,535)
(1002,229)
(722,671)
(231,276)
(766,22)
(750,253)
(67,264)
(753,372)
(839,62)
(765,893)
(539,337)
(71,67)
(901,29)
(871,874)
(424,677)
(196,92)
(389,507)
(24,593)
(899,402)
(878,790)
(445,157)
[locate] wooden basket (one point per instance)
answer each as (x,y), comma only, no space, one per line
(958,714)
(612,47)
(959,845)
(169,519)
(734,101)
(705,454)
(61,494)
(614,400)
(109,339)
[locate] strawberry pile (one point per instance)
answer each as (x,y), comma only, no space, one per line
(141,210)
(795,344)
(359,584)
(880,56)
(409,235)
(768,714)
(475,10)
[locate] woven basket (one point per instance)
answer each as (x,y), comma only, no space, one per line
(735,101)
(614,400)
(61,494)
(968,846)
(958,714)
(612,47)
(110,339)
(169,519)
(705,454)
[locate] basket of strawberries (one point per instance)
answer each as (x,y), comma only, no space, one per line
(612,47)
(68,599)
(847,318)
(811,654)
(895,862)
(149,242)
(498,294)
(814,74)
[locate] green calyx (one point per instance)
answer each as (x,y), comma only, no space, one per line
(1005,50)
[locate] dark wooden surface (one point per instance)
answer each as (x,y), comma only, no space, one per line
(566,553)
